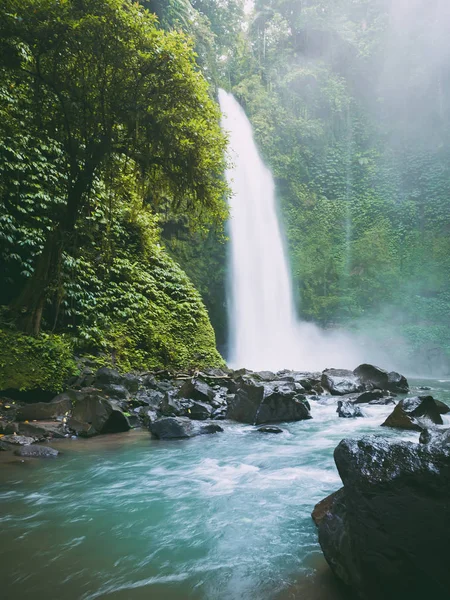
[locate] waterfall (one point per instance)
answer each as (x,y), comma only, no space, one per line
(265,333)
(262,314)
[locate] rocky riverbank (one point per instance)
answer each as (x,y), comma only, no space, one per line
(181,405)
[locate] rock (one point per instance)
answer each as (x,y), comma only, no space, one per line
(384,534)
(324,506)
(36,451)
(168,428)
(435,437)
(199,411)
(375,377)
(347,410)
(108,376)
(442,407)
(424,388)
(18,440)
(92,414)
(195,389)
(383,401)
(269,429)
(131,382)
(245,404)
(220,413)
(7,427)
(43,429)
(255,403)
(58,407)
(369,396)
(340,382)
(414,414)
(115,391)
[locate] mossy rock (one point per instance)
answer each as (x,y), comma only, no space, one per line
(35,363)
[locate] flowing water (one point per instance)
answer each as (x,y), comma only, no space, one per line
(265,332)
(219,517)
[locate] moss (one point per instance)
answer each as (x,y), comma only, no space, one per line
(146,314)
(41,363)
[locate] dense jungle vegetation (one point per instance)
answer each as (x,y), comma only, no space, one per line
(350,102)
(111,169)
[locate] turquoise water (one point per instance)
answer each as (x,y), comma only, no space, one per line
(224,516)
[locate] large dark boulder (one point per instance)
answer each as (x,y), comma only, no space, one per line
(369,396)
(340,382)
(385,534)
(58,407)
(414,413)
(374,377)
(195,389)
(43,429)
(256,404)
(36,451)
(442,407)
(92,414)
(436,437)
(168,428)
(348,410)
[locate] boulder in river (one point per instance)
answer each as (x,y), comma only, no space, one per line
(414,414)
(256,404)
(385,533)
(348,410)
(168,428)
(270,429)
(92,414)
(369,396)
(374,377)
(340,382)
(436,437)
(442,407)
(36,451)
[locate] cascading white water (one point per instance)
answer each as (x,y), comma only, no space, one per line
(262,312)
(264,330)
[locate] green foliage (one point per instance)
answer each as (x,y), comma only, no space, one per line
(35,363)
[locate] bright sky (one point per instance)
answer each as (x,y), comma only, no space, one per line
(248,7)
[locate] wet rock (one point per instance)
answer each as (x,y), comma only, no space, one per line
(36,451)
(58,407)
(43,429)
(324,507)
(372,376)
(414,414)
(383,534)
(220,414)
(348,410)
(270,429)
(92,414)
(424,388)
(436,437)
(369,396)
(8,427)
(168,428)
(255,403)
(18,440)
(131,382)
(340,382)
(115,391)
(442,407)
(195,389)
(108,376)
(245,404)
(384,401)
(199,411)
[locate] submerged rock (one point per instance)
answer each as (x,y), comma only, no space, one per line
(348,410)
(414,414)
(385,533)
(270,429)
(36,451)
(340,382)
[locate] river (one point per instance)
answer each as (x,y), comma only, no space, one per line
(224,516)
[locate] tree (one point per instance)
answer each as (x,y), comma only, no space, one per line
(106,82)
